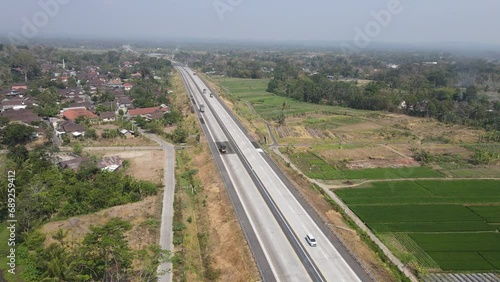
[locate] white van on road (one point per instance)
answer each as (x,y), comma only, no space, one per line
(311,240)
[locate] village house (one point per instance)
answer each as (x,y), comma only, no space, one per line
(26,116)
(124,102)
(148,113)
(63,79)
(107,116)
(81,104)
(110,163)
(74,164)
(71,128)
(16,103)
(128,86)
(115,83)
(19,87)
(73,114)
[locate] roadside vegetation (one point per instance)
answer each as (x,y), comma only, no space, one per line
(416,219)
(47,193)
(209,243)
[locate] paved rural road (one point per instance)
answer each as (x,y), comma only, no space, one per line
(117,148)
(167,213)
(329,261)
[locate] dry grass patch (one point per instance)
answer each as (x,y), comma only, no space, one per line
(357,154)
(434,149)
(227,245)
(134,213)
(362,126)
(144,165)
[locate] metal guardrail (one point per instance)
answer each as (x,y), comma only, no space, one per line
(289,233)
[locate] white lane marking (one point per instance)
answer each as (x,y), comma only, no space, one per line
(237,132)
(250,218)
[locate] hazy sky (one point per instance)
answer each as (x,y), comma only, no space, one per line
(325,20)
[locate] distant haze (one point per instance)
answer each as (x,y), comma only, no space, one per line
(418,21)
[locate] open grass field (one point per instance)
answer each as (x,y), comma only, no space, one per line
(456,223)
(268,105)
(317,168)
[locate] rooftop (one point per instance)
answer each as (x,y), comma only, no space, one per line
(75,113)
(146,111)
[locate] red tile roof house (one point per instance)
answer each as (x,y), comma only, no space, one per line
(148,112)
(115,83)
(73,114)
(19,86)
(127,86)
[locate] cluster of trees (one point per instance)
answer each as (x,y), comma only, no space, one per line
(232,63)
(15,133)
(414,90)
(103,255)
(46,191)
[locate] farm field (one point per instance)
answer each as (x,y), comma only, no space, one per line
(316,168)
(452,225)
(419,219)
(363,139)
(268,105)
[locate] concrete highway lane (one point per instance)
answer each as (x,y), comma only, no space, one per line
(326,258)
(281,257)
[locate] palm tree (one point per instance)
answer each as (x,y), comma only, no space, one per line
(61,267)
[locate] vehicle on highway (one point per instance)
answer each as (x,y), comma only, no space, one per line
(223,149)
(211,94)
(311,240)
(194,73)
(202,108)
(204,91)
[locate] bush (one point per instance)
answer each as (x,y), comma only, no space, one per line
(91,134)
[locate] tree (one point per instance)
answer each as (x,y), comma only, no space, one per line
(179,135)
(26,61)
(3,121)
(173,117)
(18,154)
(106,253)
(149,259)
(91,134)
(422,156)
(470,93)
(281,118)
(78,149)
(14,134)
(5,76)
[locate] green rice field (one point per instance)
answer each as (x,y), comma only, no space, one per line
(268,105)
(450,224)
